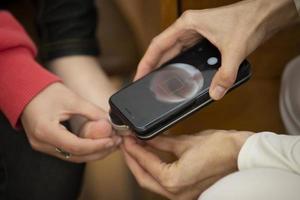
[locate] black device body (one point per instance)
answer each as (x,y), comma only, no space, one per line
(172,92)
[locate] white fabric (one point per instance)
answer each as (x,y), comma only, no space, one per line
(290,97)
(297,3)
(255,184)
(269,150)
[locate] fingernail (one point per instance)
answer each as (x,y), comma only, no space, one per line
(119,141)
(109,144)
(218,92)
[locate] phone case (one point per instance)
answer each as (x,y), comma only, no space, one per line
(120,120)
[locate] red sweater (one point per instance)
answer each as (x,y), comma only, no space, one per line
(21,77)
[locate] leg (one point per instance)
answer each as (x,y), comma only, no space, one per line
(27,174)
(258,184)
(109,179)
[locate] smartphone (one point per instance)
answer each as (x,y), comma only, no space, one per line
(170,93)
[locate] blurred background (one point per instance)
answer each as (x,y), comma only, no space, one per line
(126,27)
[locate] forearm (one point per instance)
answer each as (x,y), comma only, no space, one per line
(21,77)
(84,75)
(276,15)
(269,150)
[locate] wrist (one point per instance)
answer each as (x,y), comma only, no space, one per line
(83,74)
(239,139)
(274,16)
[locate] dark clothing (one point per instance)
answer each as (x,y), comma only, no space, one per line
(26,174)
(66,27)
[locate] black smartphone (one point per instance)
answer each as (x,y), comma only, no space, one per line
(170,93)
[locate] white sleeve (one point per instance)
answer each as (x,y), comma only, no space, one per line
(269,150)
(297,3)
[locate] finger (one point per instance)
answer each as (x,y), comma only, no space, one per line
(146,159)
(143,178)
(146,66)
(160,48)
(169,144)
(90,157)
(96,129)
(176,49)
(225,76)
(124,133)
(85,109)
(51,150)
(63,139)
(118,140)
(206,132)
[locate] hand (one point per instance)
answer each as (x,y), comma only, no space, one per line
(41,120)
(236,30)
(92,84)
(202,160)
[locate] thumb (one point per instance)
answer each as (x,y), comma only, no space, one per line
(86,109)
(96,129)
(225,76)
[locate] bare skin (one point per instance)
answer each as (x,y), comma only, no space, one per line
(82,98)
(236,30)
(202,159)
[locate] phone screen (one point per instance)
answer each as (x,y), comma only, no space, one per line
(164,91)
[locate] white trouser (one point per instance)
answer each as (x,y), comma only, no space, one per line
(255,184)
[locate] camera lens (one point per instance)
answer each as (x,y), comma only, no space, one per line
(212,60)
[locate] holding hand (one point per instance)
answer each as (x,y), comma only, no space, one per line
(202,160)
(236,30)
(41,120)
